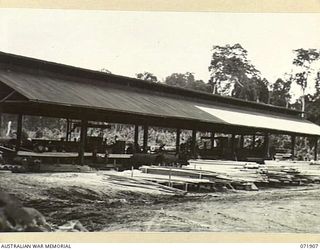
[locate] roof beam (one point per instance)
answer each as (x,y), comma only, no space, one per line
(7,96)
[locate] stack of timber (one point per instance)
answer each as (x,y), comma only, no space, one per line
(293,172)
(270,173)
(169,177)
(283,174)
(217,180)
(217,175)
(135,179)
(239,173)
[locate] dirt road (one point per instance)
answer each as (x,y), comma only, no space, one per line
(294,211)
(103,204)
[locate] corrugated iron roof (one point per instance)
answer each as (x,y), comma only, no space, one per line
(49,89)
(58,89)
(107,96)
(7,60)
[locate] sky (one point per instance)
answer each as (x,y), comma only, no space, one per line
(162,43)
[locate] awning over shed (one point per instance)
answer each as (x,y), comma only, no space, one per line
(43,87)
(259,120)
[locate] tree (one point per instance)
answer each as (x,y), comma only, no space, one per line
(318,83)
(304,60)
(262,86)
(255,89)
(188,81)
(280,95)
(313,107)
(229,68)
(146,76)
(313,103)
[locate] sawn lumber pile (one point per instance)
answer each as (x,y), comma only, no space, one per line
(233,174)
(282,172)
(201,176)
(291,172)
(234,170)
(169,177)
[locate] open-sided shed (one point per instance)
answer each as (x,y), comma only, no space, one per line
(34,87)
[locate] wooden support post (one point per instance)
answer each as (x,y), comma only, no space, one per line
(293,143)
(145,139)
(178,141)
(82,143)
(253,141)
(193,143)
(136,137)
(212,140)
(241,141)
(266,146)
(67,129)
(70,129)
(316,148)
(1,122)
(233,147)
(19,132)
(115,163)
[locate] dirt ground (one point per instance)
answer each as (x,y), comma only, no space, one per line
(103,201)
